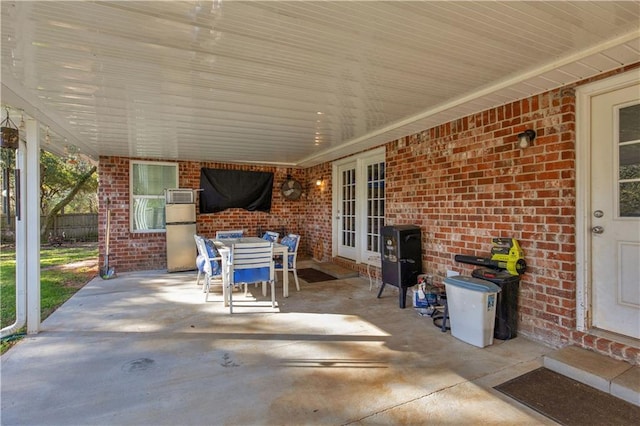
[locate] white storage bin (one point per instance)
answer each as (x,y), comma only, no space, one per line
(472,309)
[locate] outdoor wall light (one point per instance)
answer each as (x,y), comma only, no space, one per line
(319,181)
(525,139)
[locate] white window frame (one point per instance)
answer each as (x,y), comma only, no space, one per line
(362,255)
(132,197)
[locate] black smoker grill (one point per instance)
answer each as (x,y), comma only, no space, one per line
(401,248)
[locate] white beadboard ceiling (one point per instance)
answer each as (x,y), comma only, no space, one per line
(289,83)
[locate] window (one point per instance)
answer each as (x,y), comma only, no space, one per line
(148,180)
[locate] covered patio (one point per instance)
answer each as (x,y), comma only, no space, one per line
(144,348)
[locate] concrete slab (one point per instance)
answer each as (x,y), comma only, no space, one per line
(144,348)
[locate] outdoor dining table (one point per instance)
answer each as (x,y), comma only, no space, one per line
(224,248)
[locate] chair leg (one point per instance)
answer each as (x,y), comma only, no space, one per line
(264,288)
(205,288)
(230,299)
(273,294)
(295,275)
(198,279)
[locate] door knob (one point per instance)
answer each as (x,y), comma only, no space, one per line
(597,229)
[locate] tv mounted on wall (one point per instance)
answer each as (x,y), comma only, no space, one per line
(225,189)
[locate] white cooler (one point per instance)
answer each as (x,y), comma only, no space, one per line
(471,304)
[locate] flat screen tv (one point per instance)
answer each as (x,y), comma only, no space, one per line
(225,189)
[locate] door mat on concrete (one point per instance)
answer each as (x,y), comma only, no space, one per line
(568,401)
(311,275)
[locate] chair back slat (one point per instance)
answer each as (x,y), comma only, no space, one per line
(252,262)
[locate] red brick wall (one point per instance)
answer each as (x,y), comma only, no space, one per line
(140,251)
(128,251)
(466,181)
(319,213)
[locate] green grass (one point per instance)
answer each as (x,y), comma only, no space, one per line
(57,282)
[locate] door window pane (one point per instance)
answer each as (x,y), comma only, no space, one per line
(630,123)
(629,161)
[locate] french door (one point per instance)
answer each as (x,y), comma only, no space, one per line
(359,197)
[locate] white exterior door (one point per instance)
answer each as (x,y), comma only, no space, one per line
(615,210)
(359,201)
(346,210)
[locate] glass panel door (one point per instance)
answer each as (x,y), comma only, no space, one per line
(347,210)
(359,202)
(375,207)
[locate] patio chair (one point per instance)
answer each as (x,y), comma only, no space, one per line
(200,258)
(292,241)
(237,233)
(251,263)
(208,263)
(271,236)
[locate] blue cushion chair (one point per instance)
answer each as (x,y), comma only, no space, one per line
(236,233)
(271,236)
(208,263)
(292,241)
(251,263)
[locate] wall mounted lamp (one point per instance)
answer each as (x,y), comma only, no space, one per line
(525,139)
(319,181)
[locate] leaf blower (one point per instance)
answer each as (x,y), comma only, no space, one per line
(505,254)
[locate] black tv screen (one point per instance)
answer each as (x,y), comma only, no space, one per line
(225,189)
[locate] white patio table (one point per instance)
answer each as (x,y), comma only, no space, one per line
(224,247)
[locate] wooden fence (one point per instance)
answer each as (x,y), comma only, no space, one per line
(75,226)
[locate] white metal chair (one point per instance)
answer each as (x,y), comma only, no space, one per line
(292,241)
(271,236)
(208,263)
(200,259)
(251,263)
(236,233)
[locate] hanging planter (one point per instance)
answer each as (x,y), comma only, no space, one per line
(10,134)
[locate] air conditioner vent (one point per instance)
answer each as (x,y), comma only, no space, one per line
(179,196)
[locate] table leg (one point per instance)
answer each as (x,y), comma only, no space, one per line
(285,276)
(225,277)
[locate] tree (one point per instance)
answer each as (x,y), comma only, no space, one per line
(64,182)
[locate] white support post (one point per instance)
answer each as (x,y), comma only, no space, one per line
(32,214)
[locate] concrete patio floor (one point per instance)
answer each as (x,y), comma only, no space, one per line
(145,349)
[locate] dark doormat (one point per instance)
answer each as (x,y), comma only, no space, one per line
(568,401)
(311,275)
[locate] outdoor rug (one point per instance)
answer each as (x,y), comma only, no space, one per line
(312,275)
(568,401)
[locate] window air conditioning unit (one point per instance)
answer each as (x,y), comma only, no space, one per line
(179,196)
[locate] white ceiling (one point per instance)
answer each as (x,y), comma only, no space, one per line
(290,83)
